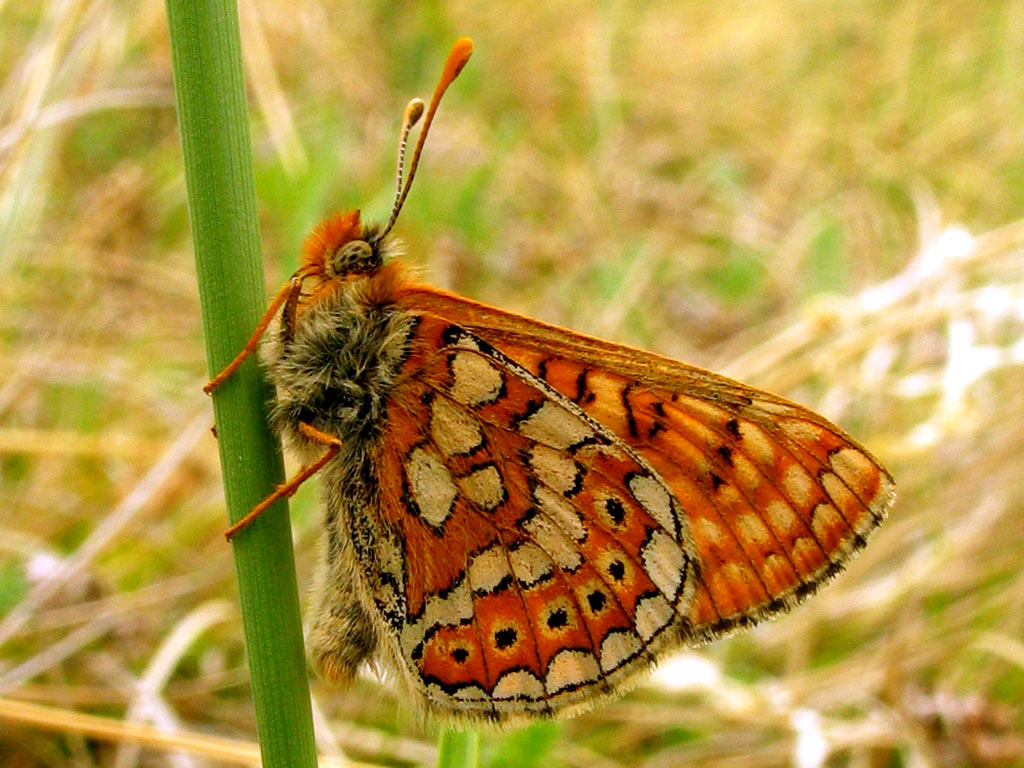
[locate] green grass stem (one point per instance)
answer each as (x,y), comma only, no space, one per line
(212,113)
(458,749)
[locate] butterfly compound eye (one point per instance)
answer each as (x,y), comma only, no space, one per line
(354,257)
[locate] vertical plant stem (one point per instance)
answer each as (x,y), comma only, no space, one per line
(213,118)
(458,749)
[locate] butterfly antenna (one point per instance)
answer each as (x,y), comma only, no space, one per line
(457,59)
(413,113)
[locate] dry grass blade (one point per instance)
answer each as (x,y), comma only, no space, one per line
(228,751)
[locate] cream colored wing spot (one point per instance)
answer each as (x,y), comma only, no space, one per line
(712,413)
(840,493)
(708,529)
(805,550)
(471,693)
(475,380)
(783,520)
(489,569)
(484,487)
(561,512)
(618,647)
(518,684)
(555,426)
(453,430)
(798,485)
(550,538)
(756,444)
(753,529)
(665,563)
(802,432)
(853,467)
(431,487)
(449,610)
(747,473)
(826,521)
(530,564)
(556,469)
(653,614)
(571,669)
(655,499)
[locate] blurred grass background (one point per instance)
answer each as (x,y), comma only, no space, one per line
(821,198)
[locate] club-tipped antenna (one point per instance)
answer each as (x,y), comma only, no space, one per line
(413,113)
(457,59)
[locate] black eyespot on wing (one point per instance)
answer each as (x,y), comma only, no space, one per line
(628,406)
(726,453)
(615,510)
(505,638)
(656,427)
(558,619)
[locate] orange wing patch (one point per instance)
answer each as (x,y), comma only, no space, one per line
(546,561)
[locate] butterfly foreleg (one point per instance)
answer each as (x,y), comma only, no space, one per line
(288,489)
(289,293)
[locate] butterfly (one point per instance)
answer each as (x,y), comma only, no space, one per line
(520,520)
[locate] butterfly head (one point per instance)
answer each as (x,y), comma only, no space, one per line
(341,247)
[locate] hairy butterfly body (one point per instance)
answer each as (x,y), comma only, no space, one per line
(520,519)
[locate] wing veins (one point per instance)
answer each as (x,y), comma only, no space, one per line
(599,523)
(514,480)
(821,465)
(782,494)
(669,406)
(723,518)
(477,631)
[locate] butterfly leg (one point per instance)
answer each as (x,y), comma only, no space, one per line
(290,293)
(288,489)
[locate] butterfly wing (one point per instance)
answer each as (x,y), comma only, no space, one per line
(774,498)
(546,562)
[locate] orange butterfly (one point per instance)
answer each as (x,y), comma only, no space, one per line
(521,519)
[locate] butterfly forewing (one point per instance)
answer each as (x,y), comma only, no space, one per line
(773,497)
(546,561)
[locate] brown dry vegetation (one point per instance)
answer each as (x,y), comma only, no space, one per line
(820,198)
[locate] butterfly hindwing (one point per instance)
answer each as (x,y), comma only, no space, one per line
(547,563)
